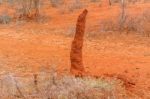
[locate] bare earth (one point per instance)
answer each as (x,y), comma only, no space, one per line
(34,47)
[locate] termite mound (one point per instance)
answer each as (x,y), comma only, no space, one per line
(77,67)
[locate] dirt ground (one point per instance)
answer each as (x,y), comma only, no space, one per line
(28,48)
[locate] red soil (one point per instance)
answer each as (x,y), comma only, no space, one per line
(33,47)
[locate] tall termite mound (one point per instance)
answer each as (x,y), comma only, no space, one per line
(77,67)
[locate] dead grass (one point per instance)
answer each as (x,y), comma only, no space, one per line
(51,86)
(135,24)
(5,18)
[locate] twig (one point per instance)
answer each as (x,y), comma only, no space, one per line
(18,89)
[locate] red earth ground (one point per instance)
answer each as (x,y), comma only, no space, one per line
(28,48)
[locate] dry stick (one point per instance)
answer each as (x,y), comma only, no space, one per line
(21,94)
(36,7)
(110,2)
(122,15)
(77,67)
(36,82)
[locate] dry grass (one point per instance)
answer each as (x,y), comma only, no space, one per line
(5,18)
(51,86)
(135,24)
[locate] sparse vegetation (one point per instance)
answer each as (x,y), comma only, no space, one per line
(112,61)
(56,3)
(128,23)
(76,4)
(5,18)
(54,87)
(29,9)
(95,0)
(66,7)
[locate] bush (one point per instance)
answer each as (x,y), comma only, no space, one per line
(5,19)
(29,9)
(1,1)
(76,4)
(129,23)
(50,86)
(71,6)
(56,3)
(95,0)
